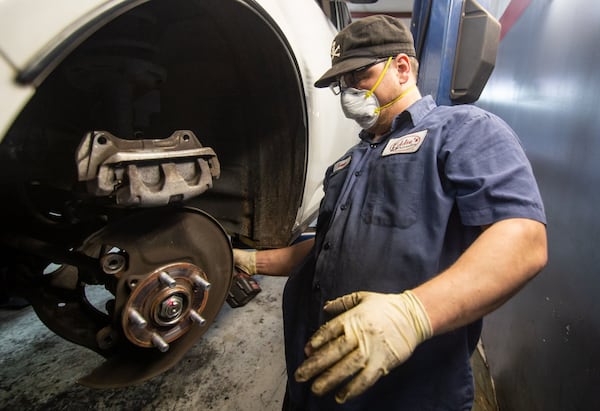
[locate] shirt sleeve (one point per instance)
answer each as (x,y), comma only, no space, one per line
(490,173)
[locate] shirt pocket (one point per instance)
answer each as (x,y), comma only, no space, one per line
(393,192)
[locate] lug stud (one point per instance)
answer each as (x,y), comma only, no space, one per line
(200,282)
(167,280)
(197,318)
(159,343)
(136,318)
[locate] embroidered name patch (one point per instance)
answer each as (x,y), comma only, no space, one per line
(343,163)
(405,144)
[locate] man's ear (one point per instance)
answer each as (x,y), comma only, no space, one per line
(403,66)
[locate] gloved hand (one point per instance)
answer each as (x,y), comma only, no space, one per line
(245,260)
(376,333)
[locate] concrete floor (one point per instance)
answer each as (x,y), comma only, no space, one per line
(237,365)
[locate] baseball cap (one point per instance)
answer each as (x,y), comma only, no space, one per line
(363,42)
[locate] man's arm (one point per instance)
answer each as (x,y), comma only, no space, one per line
(501,261)
(373,333)
(279,261)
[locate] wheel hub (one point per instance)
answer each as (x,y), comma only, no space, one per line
(160,307)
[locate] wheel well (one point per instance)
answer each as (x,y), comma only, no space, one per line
(216,67)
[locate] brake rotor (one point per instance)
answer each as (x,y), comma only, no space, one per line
(172,269)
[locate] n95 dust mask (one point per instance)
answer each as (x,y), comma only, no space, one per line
(362,106)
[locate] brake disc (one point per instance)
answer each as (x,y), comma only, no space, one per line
(170,271)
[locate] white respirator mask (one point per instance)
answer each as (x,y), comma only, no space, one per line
(362,106)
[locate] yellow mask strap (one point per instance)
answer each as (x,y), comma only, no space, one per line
(378,109)
(387,64)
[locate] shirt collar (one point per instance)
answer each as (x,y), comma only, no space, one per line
(415,113)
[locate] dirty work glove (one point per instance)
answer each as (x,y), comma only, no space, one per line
(374,334)
(245,260)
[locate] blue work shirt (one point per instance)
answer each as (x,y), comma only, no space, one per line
(396,213)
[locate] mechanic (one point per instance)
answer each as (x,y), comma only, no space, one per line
(431,221)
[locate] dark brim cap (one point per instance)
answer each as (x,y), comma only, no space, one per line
(364,41)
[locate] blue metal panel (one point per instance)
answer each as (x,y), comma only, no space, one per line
(442,20)
(546,86)
(435,28)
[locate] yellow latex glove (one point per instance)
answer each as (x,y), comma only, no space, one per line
(245,260)
(374,334)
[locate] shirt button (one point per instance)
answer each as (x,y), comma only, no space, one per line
(358,173)
(326,246)
(317,286)
(343,207)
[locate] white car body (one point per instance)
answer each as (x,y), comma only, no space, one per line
(139,141)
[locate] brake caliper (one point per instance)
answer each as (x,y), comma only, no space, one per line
(146,173)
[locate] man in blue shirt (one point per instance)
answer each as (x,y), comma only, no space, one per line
(432,221)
